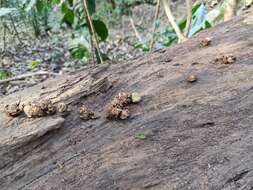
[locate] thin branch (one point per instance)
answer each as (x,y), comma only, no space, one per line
(189,17)
(92,50)
(4,38)
(15,29)
(181,37)
(92,30)
(27,75)
(154,25)
(135,30)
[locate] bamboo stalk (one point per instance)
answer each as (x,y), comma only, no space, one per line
(135,30)
(92,30)
(189,17)
(181,37)
(154,25)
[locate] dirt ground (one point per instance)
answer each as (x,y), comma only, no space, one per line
(196,135)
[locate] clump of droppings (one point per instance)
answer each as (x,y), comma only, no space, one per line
(226,59)
(33,110)
(121,100)
(39,109)
(47,107)
(191,78)
(86,113)
(125,113)
(13,110)
(205,41)
(118,107)
(62,109)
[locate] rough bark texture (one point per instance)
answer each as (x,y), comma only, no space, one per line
(198,135)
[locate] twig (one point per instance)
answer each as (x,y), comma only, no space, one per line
(92,50)
(92,30)
(189,17)
(4,38)
(181,37)
(154,25)
(15,29)
(135,30)
(20,77)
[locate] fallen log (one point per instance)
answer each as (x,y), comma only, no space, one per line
(184,134)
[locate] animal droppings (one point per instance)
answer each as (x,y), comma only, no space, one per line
(62,109)
(39,109)
(121,100)
(33,110)
(13,110)
(124,114)
(205,41)
(86,113)
(118,107)
(191,78)
(226,59)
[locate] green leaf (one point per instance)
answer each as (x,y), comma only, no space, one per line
(40,6)
(5,11)
(70,2)
(199,18)
(100,29)
(91,6)
(135,97)
(79,52)
(208,24)
(140,136)
(195,8)
(4,74)
(69,15)
(141,46)
(33,64)
(56,1)
(64,8)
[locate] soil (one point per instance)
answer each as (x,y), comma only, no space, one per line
(197,135)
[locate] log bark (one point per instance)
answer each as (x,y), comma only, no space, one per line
(195,135)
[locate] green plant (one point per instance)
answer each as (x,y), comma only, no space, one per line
(79,17)
(140,136)
(37,12)
(4,74)
(200,21)
(33,64)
